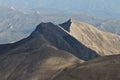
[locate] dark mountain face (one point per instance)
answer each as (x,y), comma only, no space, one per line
(55,36)
(59,38)
(36,57)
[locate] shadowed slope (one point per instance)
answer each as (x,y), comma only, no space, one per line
(101,42)
(62,40)
(57,37)
(34,58)
(104,68)
(39,64)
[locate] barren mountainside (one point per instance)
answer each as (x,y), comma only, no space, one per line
(54,52)
(101,42)
(55,36)
(104,68)
(34,57)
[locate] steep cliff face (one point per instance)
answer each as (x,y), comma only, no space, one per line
(101,42)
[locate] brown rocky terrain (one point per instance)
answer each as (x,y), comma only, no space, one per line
(104,68)
(53,52)
(35,57)
(55,36)
(102,42)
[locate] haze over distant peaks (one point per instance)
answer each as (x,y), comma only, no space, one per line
(93,7)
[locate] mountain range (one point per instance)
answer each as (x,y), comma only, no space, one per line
(72,50)
(109,9)
(112,26)
(16,24)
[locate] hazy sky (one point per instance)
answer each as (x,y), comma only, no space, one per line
(108,8)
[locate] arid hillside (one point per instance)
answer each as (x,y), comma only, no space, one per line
(102,42)
(104,68)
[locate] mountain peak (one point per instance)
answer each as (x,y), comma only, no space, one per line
(91,37)
(66,25)
(72,20)
(72,24)
(58,37)
(43,27)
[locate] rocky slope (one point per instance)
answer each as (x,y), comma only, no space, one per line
(37,64)
(35,57)
(42,55)
(101,42)
(53,52)
(104,68)
(57,37)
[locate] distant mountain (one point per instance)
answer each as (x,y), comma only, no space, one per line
(101,42)
(112,26)
(17,24)
(93,7)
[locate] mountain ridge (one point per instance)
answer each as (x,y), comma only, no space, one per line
(50,53)
(92,37)
(34,58)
